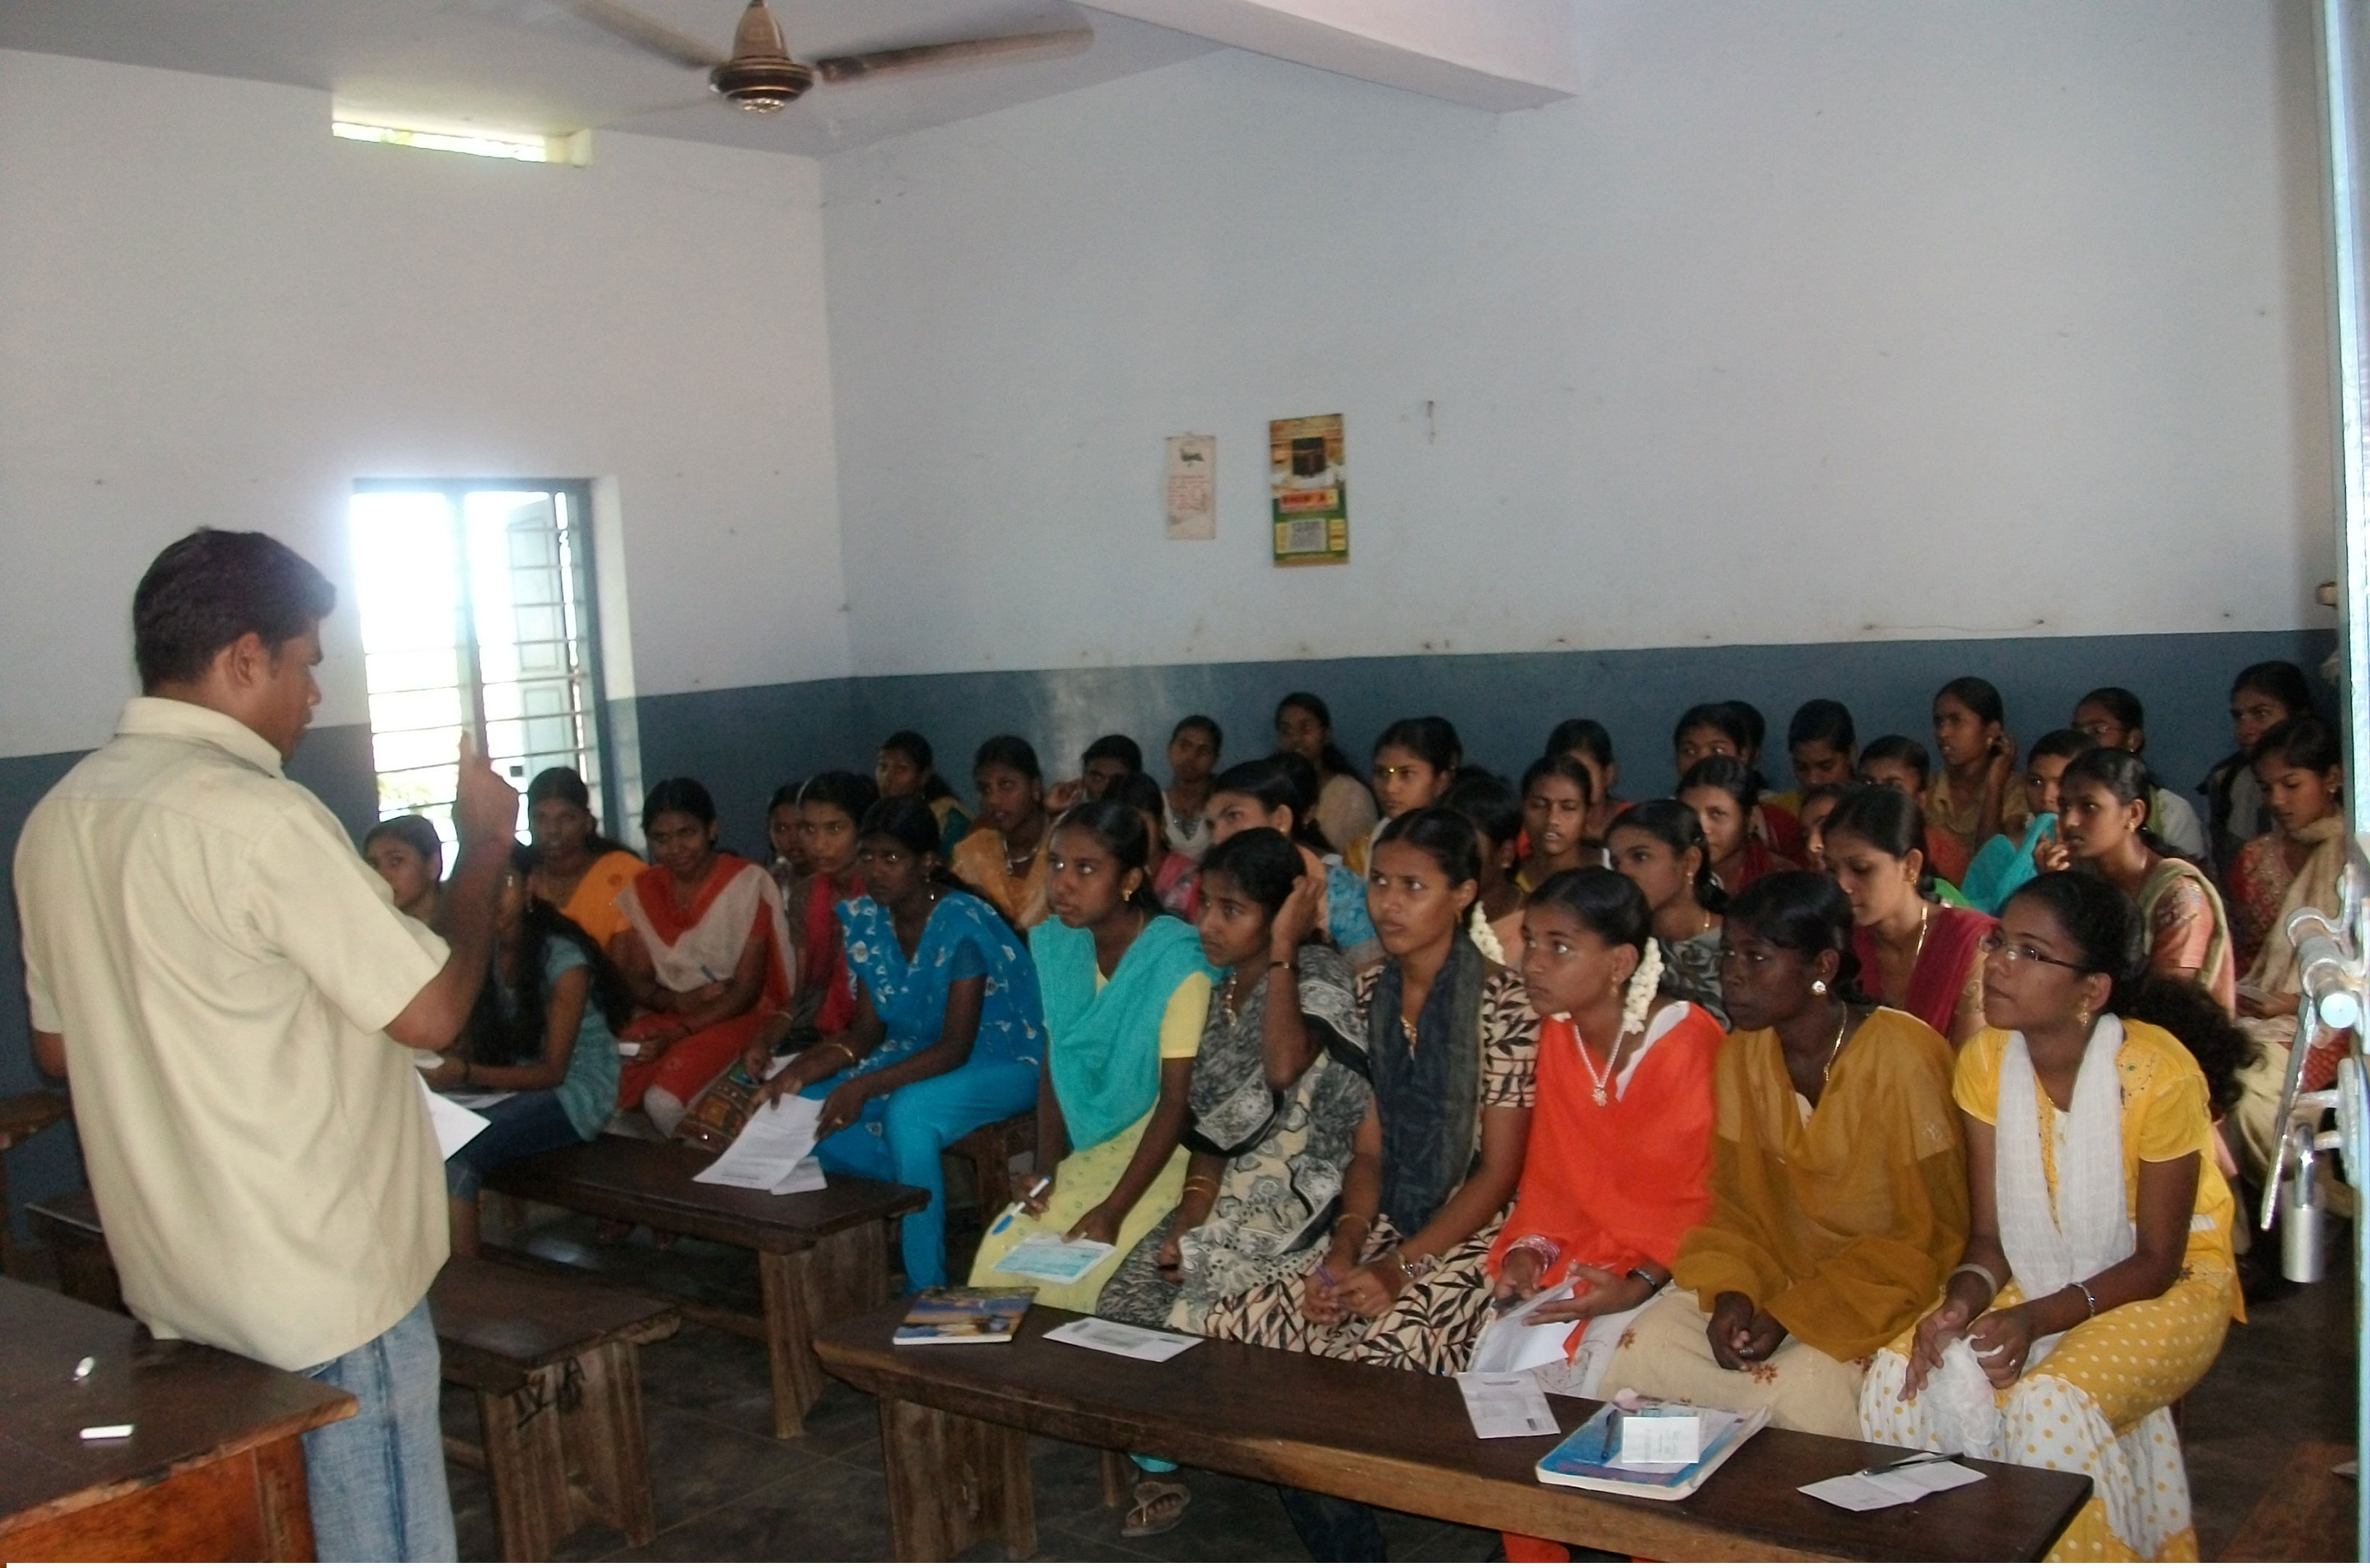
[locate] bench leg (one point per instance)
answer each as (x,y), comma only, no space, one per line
(604,1438)
(954,1482)
(1118,1478)
(841,1275)
(526,1469)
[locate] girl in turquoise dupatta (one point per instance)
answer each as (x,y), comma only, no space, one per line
(1125,991)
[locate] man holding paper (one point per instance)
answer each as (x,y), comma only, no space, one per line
(235,992)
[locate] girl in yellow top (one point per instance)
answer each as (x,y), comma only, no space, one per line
(1125,990)
(2096,1283)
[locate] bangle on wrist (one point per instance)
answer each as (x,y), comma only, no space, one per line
(1991,1281)
(1647,1280)
(2088,1300)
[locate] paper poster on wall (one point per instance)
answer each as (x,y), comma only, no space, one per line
(1191,492)
(1311,491)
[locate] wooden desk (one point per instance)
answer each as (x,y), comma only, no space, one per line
(954,1421)
(820,1255)
(212,1471)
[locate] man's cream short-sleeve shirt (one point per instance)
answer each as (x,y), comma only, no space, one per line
(223,967)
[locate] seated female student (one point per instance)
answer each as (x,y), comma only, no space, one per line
(1915,953)
(1194,747)
(2102,805)
(1450,1041)
(1107,760)
(1977,793)
(2296,865)
(945,1033)
(407,853)
(1735,729)
(1898,762)
(1342,811)
(542,1033)
(1275,792)
(1278,1091)
(1556,801)
(1415,762)
(1659,846)
(1620,1151)
(1591,743)
(1818,804)
(2299,772)
(789,866)
(1723,791)
(1175,880)
(1823,748)
(1491,804)
(1839,1181)
(2112,717)
(1003,857)
(2097,1282)
(577,871)
(2263,695)
(1125,993)
(832,807)
(906,766)
(706,956)
(2005,864)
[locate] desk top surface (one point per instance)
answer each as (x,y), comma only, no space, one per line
(652,1184)
(1221,1400)
(188,1404)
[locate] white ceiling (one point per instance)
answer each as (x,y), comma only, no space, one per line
(536,65)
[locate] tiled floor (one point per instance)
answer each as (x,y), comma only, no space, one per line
(727,1491)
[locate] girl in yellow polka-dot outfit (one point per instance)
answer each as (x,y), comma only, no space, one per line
(2096,1284)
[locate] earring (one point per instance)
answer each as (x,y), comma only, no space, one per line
(1818,988)
(2082,1017)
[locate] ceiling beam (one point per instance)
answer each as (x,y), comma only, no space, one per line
(1489,54)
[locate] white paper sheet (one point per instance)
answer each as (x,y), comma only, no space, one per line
(477,1099)
(1046,1256)
(1888,1489)
(1513,1340)
(455,1124)
(1505,1404)
(771,1149)
(1123,1339)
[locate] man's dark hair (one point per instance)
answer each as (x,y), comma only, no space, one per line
(209,588)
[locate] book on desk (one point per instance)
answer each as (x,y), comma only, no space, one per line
(1588,1458)
(953,1315)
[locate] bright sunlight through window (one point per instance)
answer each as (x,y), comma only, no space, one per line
(525,149)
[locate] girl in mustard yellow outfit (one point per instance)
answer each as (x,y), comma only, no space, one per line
(2096,1283)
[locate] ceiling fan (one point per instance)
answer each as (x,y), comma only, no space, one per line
(761,77)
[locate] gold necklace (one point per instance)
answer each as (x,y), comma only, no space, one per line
(1841,1025)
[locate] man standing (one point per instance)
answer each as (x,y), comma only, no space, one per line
(234,993)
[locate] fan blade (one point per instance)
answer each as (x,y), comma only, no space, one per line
(623,21)
(950,56)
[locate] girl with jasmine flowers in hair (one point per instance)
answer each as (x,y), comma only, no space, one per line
(1620,1153)
(2096,1283)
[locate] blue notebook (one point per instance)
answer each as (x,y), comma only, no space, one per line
(1584,1458)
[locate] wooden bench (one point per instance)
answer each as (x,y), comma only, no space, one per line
(954,1426)
(555,1366)
(22,1116)
(820,1255)
(989,1150)
(68,1226)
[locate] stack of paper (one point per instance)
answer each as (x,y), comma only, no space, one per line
(1887,1486)
(1515,1340)
(1123,1339)
(1046,1256)
(774,1152)
(1506,1404)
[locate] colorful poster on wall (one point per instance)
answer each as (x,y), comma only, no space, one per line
(1191,493)
(1311,490)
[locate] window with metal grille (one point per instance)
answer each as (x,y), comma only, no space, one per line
(477,614)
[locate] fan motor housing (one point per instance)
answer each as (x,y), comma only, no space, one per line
(761,87)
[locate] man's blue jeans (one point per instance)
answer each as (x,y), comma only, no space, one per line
(376,1479)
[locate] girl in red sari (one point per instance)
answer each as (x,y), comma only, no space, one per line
(706,956)
(1621,1154)
(1916,954)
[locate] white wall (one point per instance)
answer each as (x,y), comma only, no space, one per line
(211,312)
(1805,322)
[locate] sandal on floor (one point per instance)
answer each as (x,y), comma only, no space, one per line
(1159,1508)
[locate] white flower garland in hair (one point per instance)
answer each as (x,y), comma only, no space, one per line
(1476,926)
(1644,981)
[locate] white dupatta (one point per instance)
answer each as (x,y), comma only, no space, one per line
(2088,1227)
(712,949)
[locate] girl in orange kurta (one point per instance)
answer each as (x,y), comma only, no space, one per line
(1621,1150)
